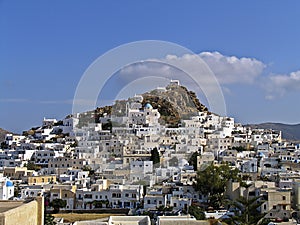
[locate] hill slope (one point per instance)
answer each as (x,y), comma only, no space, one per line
(289,132)
(174,104)
(2,134)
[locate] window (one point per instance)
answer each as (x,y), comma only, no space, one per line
(88,196)
(252,193)
(283,198)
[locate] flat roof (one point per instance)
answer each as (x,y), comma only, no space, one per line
(8,205)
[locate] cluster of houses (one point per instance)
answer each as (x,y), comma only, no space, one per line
(92,167)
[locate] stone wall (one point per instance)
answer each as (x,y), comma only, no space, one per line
(30,213)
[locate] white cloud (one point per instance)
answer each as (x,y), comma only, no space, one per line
(227,69)
(224,70)
(146,69)
(230,69)
(280,84)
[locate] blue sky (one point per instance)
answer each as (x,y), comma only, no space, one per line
(45,47)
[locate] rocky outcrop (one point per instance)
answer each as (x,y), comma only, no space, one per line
(174,104)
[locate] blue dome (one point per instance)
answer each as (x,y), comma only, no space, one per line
(9,183)
(148,106)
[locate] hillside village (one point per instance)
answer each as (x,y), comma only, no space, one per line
(136,161)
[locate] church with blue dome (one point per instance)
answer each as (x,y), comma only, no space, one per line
(6,188)
(148,106)
(143,118)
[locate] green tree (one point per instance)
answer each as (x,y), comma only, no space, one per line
(212,181)
(248,208)
(239,148)
(99,203)
(164,209)
(90,170)
(107,126)
(155,157)
(57,204)
(4,145)
(49,220)
(17,189)
(196,212)
(74,144)
(193,160)
(32,166)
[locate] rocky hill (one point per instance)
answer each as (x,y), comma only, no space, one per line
(2,134)
(174,104)
(289,132)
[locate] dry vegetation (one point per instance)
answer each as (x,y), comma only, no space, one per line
(72,217)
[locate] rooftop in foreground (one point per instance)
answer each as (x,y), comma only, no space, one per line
(8,205)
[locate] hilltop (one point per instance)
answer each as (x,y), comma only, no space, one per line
(174,103)
(2,134)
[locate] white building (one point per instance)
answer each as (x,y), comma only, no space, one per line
(13,139)
(69,123)
(143,116)
(140,169)
(6,188)
(115,196)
